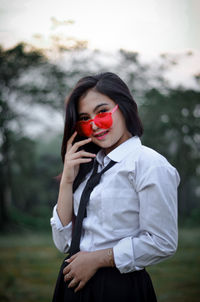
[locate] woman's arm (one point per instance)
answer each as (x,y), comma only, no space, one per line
(64,204)
(73,159)
(64,210)
(158,234)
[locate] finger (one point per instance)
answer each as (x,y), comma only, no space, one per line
(68,277)
(77,145)
(73,257)
(66,270)
(80,286)
(82,153)
(70,141)
(73,283)
(69,260)
(81,161)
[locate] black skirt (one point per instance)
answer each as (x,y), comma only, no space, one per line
(107,285)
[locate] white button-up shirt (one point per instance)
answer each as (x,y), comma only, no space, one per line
(133,209)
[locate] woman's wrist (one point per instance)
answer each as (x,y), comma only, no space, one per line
(111,257)
(104,258)
(65,184)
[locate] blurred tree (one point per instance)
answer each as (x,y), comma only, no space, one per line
(141,76)
(172,127)
(35,163)
(26,78)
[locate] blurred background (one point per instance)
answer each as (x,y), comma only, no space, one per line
(154,46)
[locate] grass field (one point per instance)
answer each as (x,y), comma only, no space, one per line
(29,265)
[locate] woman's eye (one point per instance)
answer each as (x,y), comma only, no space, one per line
(84,118)
(103,110)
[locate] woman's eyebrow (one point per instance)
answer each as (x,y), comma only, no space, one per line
(83,113)
(103,104)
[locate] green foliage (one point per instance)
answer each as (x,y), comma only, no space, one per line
(38,219)
(177,279)
(171,123)
(29,265)
(15,61)
(35,167)
(192,220)
(26,78)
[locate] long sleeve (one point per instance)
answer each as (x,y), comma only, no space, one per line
(156,187)
(61,234)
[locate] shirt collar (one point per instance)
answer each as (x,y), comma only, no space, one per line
(132,145)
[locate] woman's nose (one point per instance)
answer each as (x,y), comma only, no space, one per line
(94,126)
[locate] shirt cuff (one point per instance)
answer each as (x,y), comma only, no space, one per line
(123,255)
(55,221)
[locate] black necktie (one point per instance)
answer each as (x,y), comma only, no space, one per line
(91,183)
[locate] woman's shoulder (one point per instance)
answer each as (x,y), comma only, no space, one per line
(150,155)
(150,162)
(148,158)
(133,154)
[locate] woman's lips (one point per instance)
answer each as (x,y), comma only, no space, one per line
(101,135)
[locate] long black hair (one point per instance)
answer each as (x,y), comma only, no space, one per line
(113,87)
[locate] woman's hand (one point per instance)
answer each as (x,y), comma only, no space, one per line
(83,265)
(73,159)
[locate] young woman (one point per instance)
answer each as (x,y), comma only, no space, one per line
(130,220)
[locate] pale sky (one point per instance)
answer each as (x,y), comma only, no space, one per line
(149,27)
(146,26)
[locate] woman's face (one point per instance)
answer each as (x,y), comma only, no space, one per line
(93,103)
